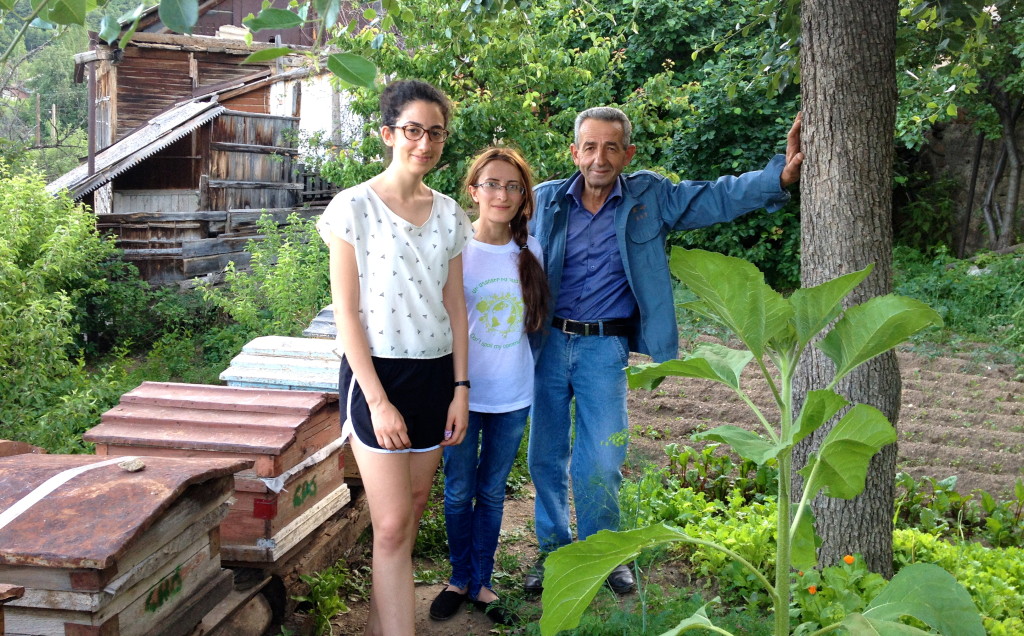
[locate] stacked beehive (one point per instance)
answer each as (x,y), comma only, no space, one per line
(112,547)
(292,438)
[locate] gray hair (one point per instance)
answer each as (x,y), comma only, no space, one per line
(605,113)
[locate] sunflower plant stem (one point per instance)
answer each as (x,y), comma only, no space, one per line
(782,541)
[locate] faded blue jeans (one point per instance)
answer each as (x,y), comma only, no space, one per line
(478,469)
(589,368)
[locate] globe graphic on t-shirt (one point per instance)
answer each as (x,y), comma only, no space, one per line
(501,314)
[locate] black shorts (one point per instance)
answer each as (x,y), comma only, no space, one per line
(421,390)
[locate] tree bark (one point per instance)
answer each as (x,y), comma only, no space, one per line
(849,104)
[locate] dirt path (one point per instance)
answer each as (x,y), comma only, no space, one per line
(959,417)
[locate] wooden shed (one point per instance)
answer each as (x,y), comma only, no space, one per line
(292,438)
(112,547)
(188,146)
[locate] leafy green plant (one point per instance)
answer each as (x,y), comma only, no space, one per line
(717,475)
(827,596)
(733,292)
(995,576)
(324,597)
(288,280)
(978,301)
(937,508)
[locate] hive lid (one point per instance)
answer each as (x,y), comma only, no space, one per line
(84,511)
(216,418)
(278,362)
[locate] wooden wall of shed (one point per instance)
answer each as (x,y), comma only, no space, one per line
(175,167)
(255,101)
(151,80)
(252,161)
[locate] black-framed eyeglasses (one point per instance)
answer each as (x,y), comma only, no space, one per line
(415,133)
(494,186)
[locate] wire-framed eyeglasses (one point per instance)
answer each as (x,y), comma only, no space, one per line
(494,186)
(413,132)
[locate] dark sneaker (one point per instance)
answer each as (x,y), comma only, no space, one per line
(533,582)
(446,605)
(621,580)
(497,612)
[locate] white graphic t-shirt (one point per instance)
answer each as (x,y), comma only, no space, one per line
(402,269)
(500,360)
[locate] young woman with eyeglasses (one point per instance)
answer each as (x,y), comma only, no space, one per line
(396,282)
(507,295)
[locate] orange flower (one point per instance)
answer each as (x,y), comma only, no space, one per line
(848,559)
(813,589)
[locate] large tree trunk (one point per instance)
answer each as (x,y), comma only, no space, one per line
(849,105)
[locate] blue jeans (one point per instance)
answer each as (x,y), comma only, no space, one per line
(589,368)
(468,474)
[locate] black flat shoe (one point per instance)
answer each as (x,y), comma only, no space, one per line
(533,582)
(446,605)
(621,580)
(497,613)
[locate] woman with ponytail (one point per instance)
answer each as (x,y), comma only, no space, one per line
(507,297)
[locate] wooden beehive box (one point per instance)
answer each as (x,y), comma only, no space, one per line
(292,438)
(279,362)
(103,551)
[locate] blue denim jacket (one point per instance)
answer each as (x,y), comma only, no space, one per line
(651,207)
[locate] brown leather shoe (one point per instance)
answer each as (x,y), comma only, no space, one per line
(621,580)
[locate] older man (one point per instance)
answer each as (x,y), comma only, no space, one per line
(603,236)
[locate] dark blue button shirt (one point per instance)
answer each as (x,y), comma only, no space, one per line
(594,285)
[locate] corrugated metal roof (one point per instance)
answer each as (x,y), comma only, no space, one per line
(89,520)
(160,132)
(278,428)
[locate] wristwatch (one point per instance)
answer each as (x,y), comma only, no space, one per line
(464,383)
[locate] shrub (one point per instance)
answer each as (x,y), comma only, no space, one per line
(288,281)
(51,259)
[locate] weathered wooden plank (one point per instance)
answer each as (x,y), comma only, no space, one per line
(199,266)
(219,245)
(293,534)
(213,621)
(8,448)
(238,147)
(107,220)
(271,185)
(245,525)
(185,619)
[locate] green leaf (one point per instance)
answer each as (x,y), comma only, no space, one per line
(815,307)
(272,19)
(109,29)
(708,361)
(818,408)
(931,595)
(7,5)
(179,15)
(328,10)
(858,624)
(369,15)
(268,54)
(734,292)
(841,463)
(574,573)
(697,619)
(352,68)
(805,543)
(747,444)
(873,328)
(67,11)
